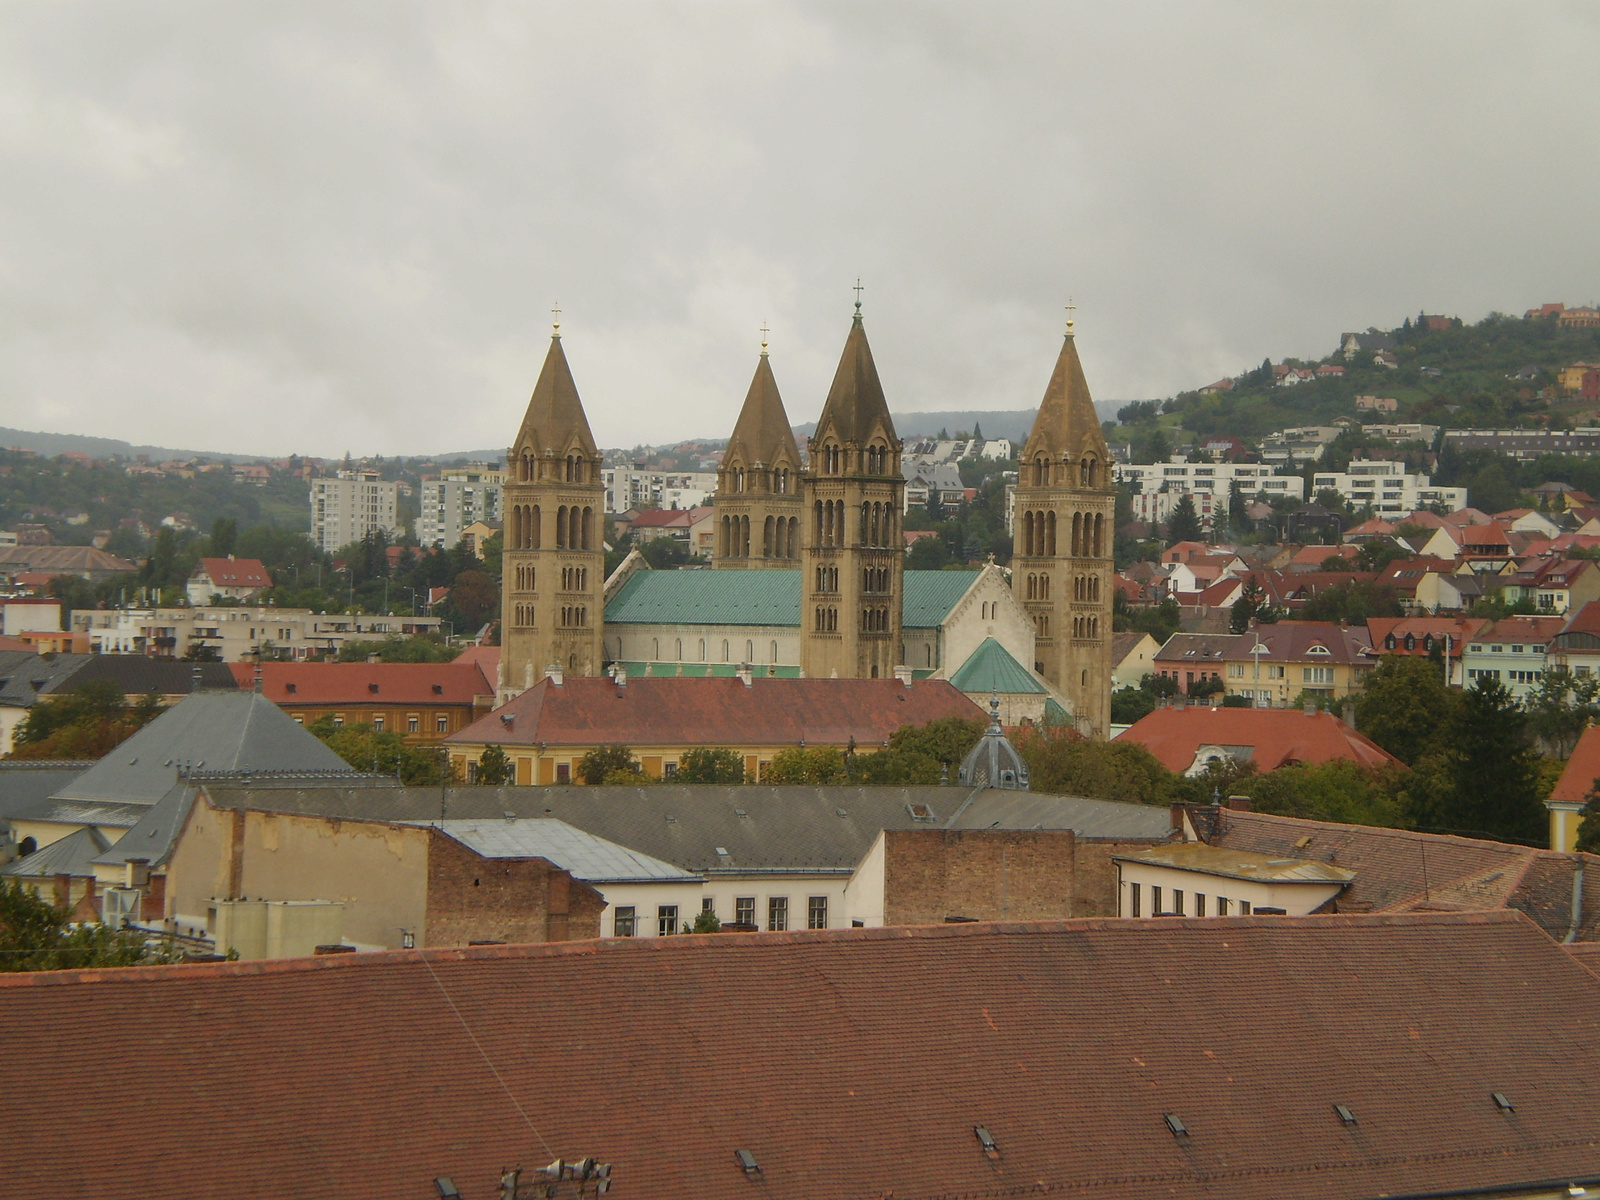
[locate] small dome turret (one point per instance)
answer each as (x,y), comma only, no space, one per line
(994,761)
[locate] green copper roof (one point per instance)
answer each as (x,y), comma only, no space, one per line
(930,595)
(762,598)
(992,669)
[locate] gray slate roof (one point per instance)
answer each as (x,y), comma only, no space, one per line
(780,829)
(586,857)
(153,835)
(216,731)
(25,676)
(26,784)
(70,855)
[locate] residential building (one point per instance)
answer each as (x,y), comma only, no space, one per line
(553,565)
(1377,404)
(853,576)
(1192,879)
(1406,431)
(230,578)
(351,505)
(1213,480)
(1299,445)
(694,527)
(238,634)
(1387,488)
(83,562)
(1577,646)
(1189,739)
(423,702)
(1191,658)
(1364,345)
(1579,783)
(1570,379)
(1513,651)
(1581,317)
(759,505)
(474,536)
(1566,585)
(1272,665)
(1062,564)
(1132,658)
(549,727)
(21,615)
(632,485)
(1583,442)
(873,1020)
(1443,639)
(456,500)
(940,482)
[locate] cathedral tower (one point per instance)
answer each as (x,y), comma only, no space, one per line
(1061,566)
(853,578)
(553,572)
(758,501)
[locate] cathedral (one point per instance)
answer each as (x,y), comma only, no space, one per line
(834,517)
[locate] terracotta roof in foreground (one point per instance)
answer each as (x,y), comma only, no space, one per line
(847,1063)
(715,711)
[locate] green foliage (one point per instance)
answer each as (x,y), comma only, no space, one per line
(916,754)
(705,764)
(1061,763)
(706,921)
(1130,704)
(1184,524)
(494,768)
(603,761)
(1250,601)
(1560,706)
(1338,790)
(820,766)
(1201,688)
(1377,553)
(928,554)
(1355,602)
(946,740)
(1485,779)
(417,648)
(1160,621)
(35,935)
(667,553)
(381,751)
(86,722)
(1405,707)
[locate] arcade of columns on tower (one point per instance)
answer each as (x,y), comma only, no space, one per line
(833,514)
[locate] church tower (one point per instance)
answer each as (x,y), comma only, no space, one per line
(1061,566)
(853,578)
(553,571)
(758,501)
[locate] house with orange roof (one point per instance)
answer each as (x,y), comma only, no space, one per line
(1189,739)
(227,578)
(1311,558)
(423,702)
(1579,779)
(1425,637)
(1512,651)
(1273,665)
(1577,646)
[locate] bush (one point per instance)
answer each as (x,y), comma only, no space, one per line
(596,766)
(706,765)
(1061,762)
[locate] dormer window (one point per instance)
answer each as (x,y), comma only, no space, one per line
(1320,649)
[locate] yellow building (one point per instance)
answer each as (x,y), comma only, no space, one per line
(1272,664)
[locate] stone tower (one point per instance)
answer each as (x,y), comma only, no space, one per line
(853,578)
(759,504)
(1061,565)
(553,572)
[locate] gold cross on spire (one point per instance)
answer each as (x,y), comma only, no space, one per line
(858,295)
(1071,309)
(555,326)
(764,332)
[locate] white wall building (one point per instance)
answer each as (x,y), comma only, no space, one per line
(455,500)
(1193,879)
(633,486)
(1387,488)
(346,508)
(237,633)
(1178,475)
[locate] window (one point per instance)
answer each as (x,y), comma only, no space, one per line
(744,910)
(622,922)
(1317,674)
(777,912)
(668,770)
(1222,906)
(441,723)
(1235,670)
(817,912)
(1155,901)
(708,904)
(1177,902)
(1199,904)
(1133,899)
(377,722)
(338,720)
(411,723)
(666,919)
(563,772)
(1244,908)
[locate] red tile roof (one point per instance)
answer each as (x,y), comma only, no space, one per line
(1275,736)
(1520,629)
(847,1063)
(1585,620)
(1582,771)
(289,684)
(236,572)
(1458,629)
(721,711)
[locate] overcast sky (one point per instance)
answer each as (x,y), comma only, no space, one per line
(325,227)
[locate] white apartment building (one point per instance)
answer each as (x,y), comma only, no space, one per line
(1387,488)
(237,633)
(346,508)
(1202,479)
(455,500)
(633,486)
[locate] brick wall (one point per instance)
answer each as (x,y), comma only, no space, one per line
(999,875)
(471,898)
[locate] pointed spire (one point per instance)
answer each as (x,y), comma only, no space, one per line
(1066,422)
(762,433)
(555,413)
(855,401)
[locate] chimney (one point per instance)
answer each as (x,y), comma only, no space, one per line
(903,674)
(1239,803)
(255,675)
(744,674)
(553,673)
(621,676)
(1349,713)
(1178,809)
(136,873)
(1311,706)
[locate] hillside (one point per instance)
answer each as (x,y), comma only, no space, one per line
(1499,372)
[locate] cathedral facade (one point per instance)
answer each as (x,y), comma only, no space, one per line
(759,510)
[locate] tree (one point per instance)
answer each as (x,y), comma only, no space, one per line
(1560,706)
(1485,782)
(1355,602)
(1337,790)
(494,768)
(1377,553)
(801,764)
(1184,524)
(84,723)
(224,536)
(475,596)
(706,921)
(1130,704)
(381,751)
(707,765)
(1062,763)
(35,935)
(928,554)
(602,761)
(1246,606)
(1406,707)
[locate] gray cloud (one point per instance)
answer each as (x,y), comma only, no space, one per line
(325,227)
